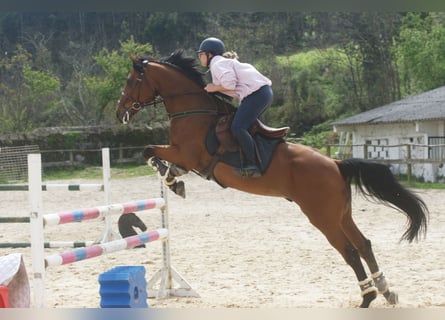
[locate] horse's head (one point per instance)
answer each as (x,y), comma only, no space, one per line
(137,93)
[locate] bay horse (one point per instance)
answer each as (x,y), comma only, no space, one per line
(319,185)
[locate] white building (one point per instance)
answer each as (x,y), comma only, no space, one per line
(410,128)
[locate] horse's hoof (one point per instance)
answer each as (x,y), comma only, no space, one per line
(391,297)
(178,188)
(159,166)
(368,298)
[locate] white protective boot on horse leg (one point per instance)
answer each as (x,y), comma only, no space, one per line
(382,287)
(169,174)
(368,292)
(376,275)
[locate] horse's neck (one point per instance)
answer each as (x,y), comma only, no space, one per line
(171,83)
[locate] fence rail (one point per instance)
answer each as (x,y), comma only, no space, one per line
(431,154)
(13,166)
(435,154)
(79,157)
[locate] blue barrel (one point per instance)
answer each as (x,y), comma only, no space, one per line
(123,287)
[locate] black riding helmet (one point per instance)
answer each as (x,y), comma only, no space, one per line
(212,45)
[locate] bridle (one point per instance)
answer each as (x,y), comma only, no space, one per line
(136,104)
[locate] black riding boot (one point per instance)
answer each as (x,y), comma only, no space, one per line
(249,169)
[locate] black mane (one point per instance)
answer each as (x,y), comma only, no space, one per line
(186,65)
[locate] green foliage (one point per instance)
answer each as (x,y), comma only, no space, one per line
(115,65)
(421,53)
(40,83)
(319,136)
(311,89)
(28,94)
(72,139)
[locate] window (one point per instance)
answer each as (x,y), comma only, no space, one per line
(436,148)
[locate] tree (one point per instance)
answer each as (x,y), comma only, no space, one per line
(367,39)
(309,88)
(27,95)
(168,31)
(106,86)
(421,52)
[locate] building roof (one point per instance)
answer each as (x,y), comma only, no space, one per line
(429,105)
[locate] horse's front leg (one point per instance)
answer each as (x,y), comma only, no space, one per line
(168,172)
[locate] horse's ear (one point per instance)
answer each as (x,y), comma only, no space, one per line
(137,65)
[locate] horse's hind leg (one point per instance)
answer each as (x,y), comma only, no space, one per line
(339,241)
(364,248)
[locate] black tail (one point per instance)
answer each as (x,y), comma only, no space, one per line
(376,180)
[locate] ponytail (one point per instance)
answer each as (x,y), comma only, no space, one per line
(230,55)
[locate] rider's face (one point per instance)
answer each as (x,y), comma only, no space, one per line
(203,58)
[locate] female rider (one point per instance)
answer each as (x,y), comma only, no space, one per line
(248,86)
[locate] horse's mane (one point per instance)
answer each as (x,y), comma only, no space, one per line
(186,65)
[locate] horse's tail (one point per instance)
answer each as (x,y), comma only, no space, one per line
(377,181)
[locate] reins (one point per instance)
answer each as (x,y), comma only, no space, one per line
(193,112)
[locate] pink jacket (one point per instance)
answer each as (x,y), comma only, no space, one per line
(241,79)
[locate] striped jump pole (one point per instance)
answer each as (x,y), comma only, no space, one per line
(55,186)
(54,219)
(105,248)
(51,244)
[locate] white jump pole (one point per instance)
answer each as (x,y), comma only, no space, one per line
(108,234)
(36,224)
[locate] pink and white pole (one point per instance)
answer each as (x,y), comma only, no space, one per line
(105,248)
(54,219)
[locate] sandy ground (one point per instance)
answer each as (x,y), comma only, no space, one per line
(238,250)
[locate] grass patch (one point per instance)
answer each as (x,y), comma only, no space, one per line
(120,171)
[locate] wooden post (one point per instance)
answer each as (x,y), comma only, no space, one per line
(408,163)
(121,152)
(71,155)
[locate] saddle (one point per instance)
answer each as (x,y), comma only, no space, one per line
(229,143)
(223,147)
